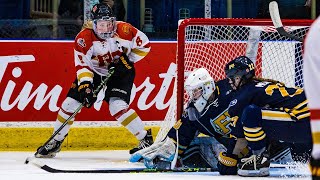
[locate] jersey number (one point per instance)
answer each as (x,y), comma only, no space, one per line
(284,93)
(138,41)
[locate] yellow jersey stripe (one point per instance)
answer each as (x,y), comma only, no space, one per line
(252,130)
(129,119)
(252,135)
(139,52)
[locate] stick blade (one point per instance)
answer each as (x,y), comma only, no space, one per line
(274,13)
(27,160)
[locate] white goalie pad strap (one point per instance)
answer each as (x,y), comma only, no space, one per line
(116,105)
(164,149)
(133,123)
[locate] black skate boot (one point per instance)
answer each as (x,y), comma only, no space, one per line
(50,150)
(145,142)
(254,166)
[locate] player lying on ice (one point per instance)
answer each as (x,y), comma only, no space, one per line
(207,112)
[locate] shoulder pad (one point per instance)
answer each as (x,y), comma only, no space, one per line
(126,31)
(87,25)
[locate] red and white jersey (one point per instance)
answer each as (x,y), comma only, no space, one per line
(311,75)
(93,54)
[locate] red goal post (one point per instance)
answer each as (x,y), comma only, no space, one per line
(211,43)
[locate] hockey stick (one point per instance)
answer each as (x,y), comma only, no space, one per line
(133,170)
(95,92)
(174,161)
(50,169)
(276,20)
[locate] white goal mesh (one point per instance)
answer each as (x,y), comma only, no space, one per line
(212,43)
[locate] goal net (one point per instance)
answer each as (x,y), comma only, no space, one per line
(212,43)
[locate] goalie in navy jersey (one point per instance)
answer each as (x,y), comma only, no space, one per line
(104,43)
(264,110)
(207,113)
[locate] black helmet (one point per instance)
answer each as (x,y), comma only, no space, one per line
(242,67)
(100,13)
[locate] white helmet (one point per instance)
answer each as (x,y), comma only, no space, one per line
(200,86)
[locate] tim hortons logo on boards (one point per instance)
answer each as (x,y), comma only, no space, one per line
(41,94)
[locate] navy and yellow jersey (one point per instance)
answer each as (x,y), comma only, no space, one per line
(271,95)
(213,121)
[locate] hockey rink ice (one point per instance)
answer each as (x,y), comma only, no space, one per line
(12,167)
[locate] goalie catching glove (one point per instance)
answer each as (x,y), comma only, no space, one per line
(87,98)
(122,65)
(157,155)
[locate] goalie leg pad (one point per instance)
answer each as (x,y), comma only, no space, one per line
(194,158)
(202,153)
(164,150)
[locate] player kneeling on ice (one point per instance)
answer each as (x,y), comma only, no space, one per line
(102,44)
(266,110)
(206,113)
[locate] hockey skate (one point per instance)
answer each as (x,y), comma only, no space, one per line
(50,150)
(254,166)
(145,142)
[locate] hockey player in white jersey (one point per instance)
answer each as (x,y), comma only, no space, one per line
(104,43)
(311,75)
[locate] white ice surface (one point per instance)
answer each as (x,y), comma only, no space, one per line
(12,167)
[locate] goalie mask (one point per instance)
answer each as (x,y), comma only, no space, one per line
(200,86)
(239,71)
(104,22)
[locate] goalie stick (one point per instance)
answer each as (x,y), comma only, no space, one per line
(276,20)
(95,92)
(50,169)
(133,170)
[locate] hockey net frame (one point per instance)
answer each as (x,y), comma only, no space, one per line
(225,38)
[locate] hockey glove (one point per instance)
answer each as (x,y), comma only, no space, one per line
(158,155)
(227,164)
(122,65)
(86,94)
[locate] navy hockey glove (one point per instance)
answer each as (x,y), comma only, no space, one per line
(227,164)
(86,93)
(122,65)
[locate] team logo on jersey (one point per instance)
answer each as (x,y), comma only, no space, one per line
(126,29)
(81,42)
(232,103)
(221,124)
